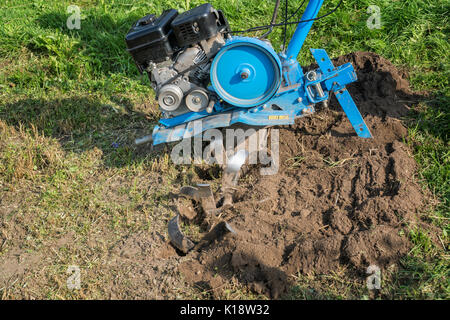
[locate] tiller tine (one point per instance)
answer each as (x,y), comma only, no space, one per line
(190,192)
(184,244)
(178,239)
(203,194)
(207,199)
(231,176)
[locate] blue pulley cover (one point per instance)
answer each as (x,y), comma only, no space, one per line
(246,72)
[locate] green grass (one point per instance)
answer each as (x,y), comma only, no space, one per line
(67,96)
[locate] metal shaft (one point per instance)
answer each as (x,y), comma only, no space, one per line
(303,29)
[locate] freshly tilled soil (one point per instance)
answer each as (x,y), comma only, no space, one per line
(338,201)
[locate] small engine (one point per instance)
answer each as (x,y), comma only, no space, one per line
(176,50)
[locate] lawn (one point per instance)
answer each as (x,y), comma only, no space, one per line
(72,101)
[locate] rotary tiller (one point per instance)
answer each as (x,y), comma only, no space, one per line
(205,73)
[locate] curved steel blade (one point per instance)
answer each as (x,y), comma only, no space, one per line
(190,192)
(178,239)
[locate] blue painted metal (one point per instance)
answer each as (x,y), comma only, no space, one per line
(352,112)
(246,72)
(296,44)
(276,91)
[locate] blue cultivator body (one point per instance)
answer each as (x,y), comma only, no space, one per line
(295,99)
(253,85)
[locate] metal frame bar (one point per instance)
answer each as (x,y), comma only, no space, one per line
(302,31)
(295,98)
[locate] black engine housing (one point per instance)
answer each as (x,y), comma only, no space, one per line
(198,24)
(154,40)
(151,39)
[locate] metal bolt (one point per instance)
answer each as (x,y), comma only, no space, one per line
(196,100)
(210,107)
(244,75)
(300,100)
(169,100)
(307,111)
(311,76)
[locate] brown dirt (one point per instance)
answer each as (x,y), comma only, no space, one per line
(338,201)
